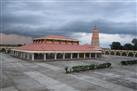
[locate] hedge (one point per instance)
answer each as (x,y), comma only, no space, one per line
(86,67)
(129,62)
(104,65)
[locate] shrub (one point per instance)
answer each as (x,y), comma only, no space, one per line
(108,65)
(66,69)
(129,62)
(92,67)
(104,65)
(76,68)
(100,66)
(86,67)
(80,68)
(123,62)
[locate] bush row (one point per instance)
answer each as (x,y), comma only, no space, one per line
(129,62)
(86,67)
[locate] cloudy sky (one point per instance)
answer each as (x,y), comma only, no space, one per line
(22,20)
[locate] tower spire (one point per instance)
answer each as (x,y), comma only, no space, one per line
(95,27)
(95,37)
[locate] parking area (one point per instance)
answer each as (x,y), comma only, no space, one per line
(20,75)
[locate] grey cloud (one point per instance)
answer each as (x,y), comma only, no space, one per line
(104,27)
(42,17)
(78,26)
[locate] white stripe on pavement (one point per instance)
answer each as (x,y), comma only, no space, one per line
(50,83)
(52,67)
(102,83)
(108,74)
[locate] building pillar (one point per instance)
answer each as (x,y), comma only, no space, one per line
(63,56)
(32,56)
(21,56)
(16,53)
(55,56)
(95,55)
(25,55)
(11,52)
(28,56)
(127,54)
(45,57)
(134,55)
(89,55)
(84,55)
(120,53)
(115,53)
(101,55)
(78,56)
(71,56)
(109,52)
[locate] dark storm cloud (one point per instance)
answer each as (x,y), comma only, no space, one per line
(43,17)
(104,27)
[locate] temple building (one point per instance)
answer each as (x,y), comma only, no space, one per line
(54,47)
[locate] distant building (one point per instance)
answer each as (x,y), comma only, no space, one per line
(55,47)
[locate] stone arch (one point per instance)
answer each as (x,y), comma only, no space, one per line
(118,53)
(124,54)
(3,50)
(131,54)
(107,53)
(112,53)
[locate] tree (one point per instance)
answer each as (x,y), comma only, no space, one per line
(128,46)
(134,41)
(116,46)
(135,46)
(3,50)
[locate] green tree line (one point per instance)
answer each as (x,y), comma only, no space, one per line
(127,46)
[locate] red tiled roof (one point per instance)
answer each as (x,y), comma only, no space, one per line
(56,47)
(56,37)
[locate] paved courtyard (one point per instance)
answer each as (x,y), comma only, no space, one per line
(20,75)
